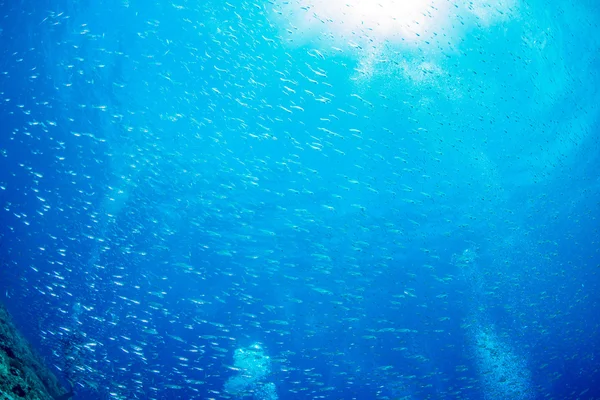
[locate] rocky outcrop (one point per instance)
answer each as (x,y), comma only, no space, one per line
(23,375)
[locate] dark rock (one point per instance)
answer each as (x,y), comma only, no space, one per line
(23,375)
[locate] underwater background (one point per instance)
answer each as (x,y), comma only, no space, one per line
(304,199)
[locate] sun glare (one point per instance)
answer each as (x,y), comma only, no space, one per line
(367,20)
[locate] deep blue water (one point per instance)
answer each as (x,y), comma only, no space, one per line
(303,200)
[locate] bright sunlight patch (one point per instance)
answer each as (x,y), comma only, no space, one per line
(356,23)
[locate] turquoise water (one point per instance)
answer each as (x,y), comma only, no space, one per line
(304,199)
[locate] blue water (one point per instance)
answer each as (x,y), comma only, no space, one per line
(304,200)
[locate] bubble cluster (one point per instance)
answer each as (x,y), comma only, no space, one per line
(503,371)
(253,367)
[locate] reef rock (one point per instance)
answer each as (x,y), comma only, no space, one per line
(23,374)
